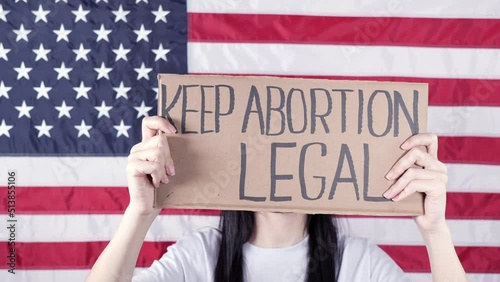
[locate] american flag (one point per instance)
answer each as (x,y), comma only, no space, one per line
(77,77)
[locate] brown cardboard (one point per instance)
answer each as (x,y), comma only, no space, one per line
(208,165)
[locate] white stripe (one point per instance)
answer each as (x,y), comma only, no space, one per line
(360,8)
(464,121)
(390,231)
(81,274)
(346,60)
(110,171)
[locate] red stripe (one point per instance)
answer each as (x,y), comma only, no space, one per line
(62,256)
(442,91)
(474,259)
(471,150)
(439,32)
(113,200)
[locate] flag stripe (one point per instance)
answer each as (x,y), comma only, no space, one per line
(255,28)
(397,231)
(48,256)
(476,150)
(345,60)
(423,8)
(114,200)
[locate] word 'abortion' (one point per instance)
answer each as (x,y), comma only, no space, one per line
(278,110)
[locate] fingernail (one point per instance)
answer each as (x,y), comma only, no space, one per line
(403,146)
(387,194)
(395,199)
(165,179)
(171,169)
(389,175)
(172,128)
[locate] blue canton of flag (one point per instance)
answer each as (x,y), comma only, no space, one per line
(76,77)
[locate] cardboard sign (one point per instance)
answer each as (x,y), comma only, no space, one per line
(290,145)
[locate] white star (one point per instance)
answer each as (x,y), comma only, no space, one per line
(3,51)
(121,53)
(4,129)
(120,14)
(121,91)
(81,53)
(4,90)
(23,71)
(22,33)
(161,53)
(42,91)
(143,72)
(142,34)
(65,1)
(80,14)
(122,129)
(25,1)
(43,129)
(103,110)
(103,71)
(82,91)
(156,90)
(24,110)
(83,129)
(41,53)
(3,13)
(62,33)
(64,110)
(160,15)
(41,15)
(105,1)
(102,33)
(63,71)
(142,110)
(139,1)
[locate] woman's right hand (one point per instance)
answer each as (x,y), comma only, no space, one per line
(149,164)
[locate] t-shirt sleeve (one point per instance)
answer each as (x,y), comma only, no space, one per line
(167,268)
(383,267)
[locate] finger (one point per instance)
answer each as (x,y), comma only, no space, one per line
(414,156)
(427,186)
(159,142)
(429,140)
(141,168)
(151,125)
(150,143)
(407,177)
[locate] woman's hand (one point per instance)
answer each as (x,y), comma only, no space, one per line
(149,164)
(430,177)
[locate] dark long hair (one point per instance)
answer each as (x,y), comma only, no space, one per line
(325,252)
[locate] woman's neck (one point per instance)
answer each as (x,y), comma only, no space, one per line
(278,230)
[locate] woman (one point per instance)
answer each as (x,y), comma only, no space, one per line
(265,246)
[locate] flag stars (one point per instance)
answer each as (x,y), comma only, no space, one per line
(142,34)
(4,90)
(81,53)
(41,53)
(3,13)
(122,129)
(143,72)
(63,110)
(160,15)
(82,91)
(102,33)
(62,33)
(4,52)
(161,54)
(23,71)
(120,14)
(121,53)
(121,91)
(43,129)
(103,71)
(22,33)
(40,14)
(83,129)
(42,91)
(63,71)
(142,110)
(24,110)
(139,1)
(80,14)
(4,129)
(103,110)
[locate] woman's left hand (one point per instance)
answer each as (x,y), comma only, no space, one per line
(430,177)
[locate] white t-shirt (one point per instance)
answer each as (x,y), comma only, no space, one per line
(193,258)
